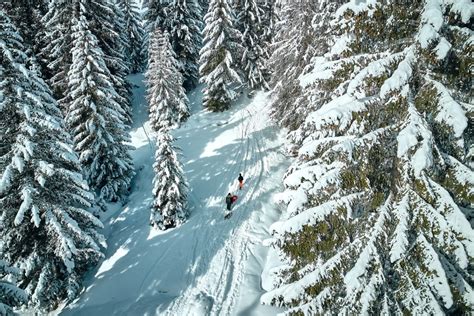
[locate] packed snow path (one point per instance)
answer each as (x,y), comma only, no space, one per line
(209,265)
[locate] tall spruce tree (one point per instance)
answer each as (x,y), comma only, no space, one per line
(254,22)
(107,22)
(169,186)
(168,107)
(95,117)
(157,15)
(133,50)
(219,56)
(186,39)
(294,45)
(380,197)
(47,230)
(55,47)
(182,20)
(10,295)
(204,4)
(166,95)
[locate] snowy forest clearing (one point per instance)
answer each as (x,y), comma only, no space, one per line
(208,265)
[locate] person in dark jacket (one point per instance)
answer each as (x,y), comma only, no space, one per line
(228,201)
(241,181)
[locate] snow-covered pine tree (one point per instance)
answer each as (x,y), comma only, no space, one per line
(157,15)
(166,96)
(133,52)
(186,38)
(254,25)
(182,20)
(168,107)
(47,231)
(380,197)
(270,18)
(219,56)
(170,189)
(95,117)
(107,22)
(10,295)
(56,45)
(293,47)
(26,16)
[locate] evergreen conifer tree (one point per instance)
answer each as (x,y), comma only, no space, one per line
(168,107)
(170,189)
(10,295)
(47,230)
(55,47)
(133,52)
(380,197)
(157,15)
(186,39)
(294,45)
(219,56)
(95,117)
(26,16)
(107,22)
(182,20)
(254,24)
(204,4)
(166,95)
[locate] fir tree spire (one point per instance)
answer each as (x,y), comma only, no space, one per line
(133,50)
(170,189)
(255,24)
(96,119)
(218,57)
(166,95)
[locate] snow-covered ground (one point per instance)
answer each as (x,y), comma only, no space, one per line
(209,265)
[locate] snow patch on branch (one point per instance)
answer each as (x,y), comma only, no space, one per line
(401,76)
(462,8)
(400,241)
(313,215)
(416,133)
(431,21)
(437,280)
(451,112)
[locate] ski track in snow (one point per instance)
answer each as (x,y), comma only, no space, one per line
(209,265)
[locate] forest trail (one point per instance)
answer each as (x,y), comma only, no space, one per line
(209,265)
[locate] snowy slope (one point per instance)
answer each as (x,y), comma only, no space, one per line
(208,266)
